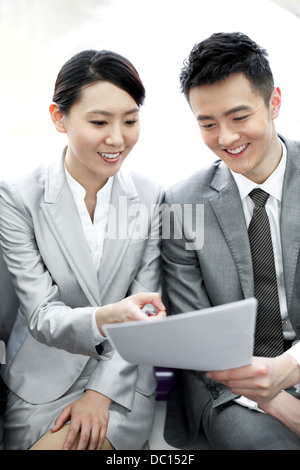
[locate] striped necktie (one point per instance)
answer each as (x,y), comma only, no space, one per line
(268,334)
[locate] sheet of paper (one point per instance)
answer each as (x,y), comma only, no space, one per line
(216,338)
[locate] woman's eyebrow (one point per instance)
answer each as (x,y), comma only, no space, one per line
(108,113)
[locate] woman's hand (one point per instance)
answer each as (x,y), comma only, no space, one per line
(89,419)
(263,379)
(130,309)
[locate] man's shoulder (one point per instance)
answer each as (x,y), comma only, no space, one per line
(292,146)
(195,186)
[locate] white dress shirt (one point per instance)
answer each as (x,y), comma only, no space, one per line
(273,185)
(94,230)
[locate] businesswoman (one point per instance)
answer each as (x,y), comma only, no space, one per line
(79,236)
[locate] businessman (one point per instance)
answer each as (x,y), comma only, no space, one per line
(251,200)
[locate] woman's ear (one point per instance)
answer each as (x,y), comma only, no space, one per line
(57,118)
(276,102)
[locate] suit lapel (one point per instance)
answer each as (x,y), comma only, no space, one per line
(290,219)
(228,209)
(123,218)
(61,214)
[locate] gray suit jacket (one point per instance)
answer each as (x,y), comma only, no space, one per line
(9,303)
(58,287)
(221,271)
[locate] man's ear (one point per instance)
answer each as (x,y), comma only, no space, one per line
(276,102)
(57,118)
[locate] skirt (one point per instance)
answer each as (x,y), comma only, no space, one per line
(25,423)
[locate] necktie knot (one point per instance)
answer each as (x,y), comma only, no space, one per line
(259,197)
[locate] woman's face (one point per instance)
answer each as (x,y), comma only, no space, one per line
(102,128)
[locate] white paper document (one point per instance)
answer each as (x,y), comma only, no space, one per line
(215,338)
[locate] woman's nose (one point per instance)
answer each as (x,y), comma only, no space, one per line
(115,137)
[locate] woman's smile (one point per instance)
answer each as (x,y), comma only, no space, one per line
(110,157)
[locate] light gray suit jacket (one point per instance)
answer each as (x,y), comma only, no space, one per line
(221,271)
(9,303)
(58,287)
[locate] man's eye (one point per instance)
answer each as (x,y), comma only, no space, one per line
(240,118)
(207,126)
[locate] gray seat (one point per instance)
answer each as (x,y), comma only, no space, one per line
(165,382)
(8,301)
(8,310)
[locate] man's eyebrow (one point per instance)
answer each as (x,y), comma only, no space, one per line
(108,113)
(204,117)
(237,109)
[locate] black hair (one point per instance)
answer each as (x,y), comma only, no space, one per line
(224,54)
(91,66)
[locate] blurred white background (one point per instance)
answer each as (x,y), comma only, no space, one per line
(38,36)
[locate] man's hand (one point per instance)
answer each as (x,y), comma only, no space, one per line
(263,379)
(286,409)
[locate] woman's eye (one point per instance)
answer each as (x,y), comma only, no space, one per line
(99,123)
(131,122)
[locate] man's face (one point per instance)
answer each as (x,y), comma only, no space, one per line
(237,126)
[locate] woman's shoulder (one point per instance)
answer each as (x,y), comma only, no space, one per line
(26,177)
(27,186)
(140,185)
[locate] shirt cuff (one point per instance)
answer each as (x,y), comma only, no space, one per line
(294,351)
(98,338)
(252,405)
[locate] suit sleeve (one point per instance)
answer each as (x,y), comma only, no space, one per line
(49,320)
(181,269)
(117,379)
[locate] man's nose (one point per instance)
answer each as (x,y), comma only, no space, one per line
(228,137)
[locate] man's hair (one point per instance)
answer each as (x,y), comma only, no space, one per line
(224,54)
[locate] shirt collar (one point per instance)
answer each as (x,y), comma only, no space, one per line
(78,190)
(273,185)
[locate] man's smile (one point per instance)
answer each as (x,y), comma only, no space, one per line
(238,150)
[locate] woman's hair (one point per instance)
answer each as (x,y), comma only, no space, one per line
(224,54)
(92,66)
